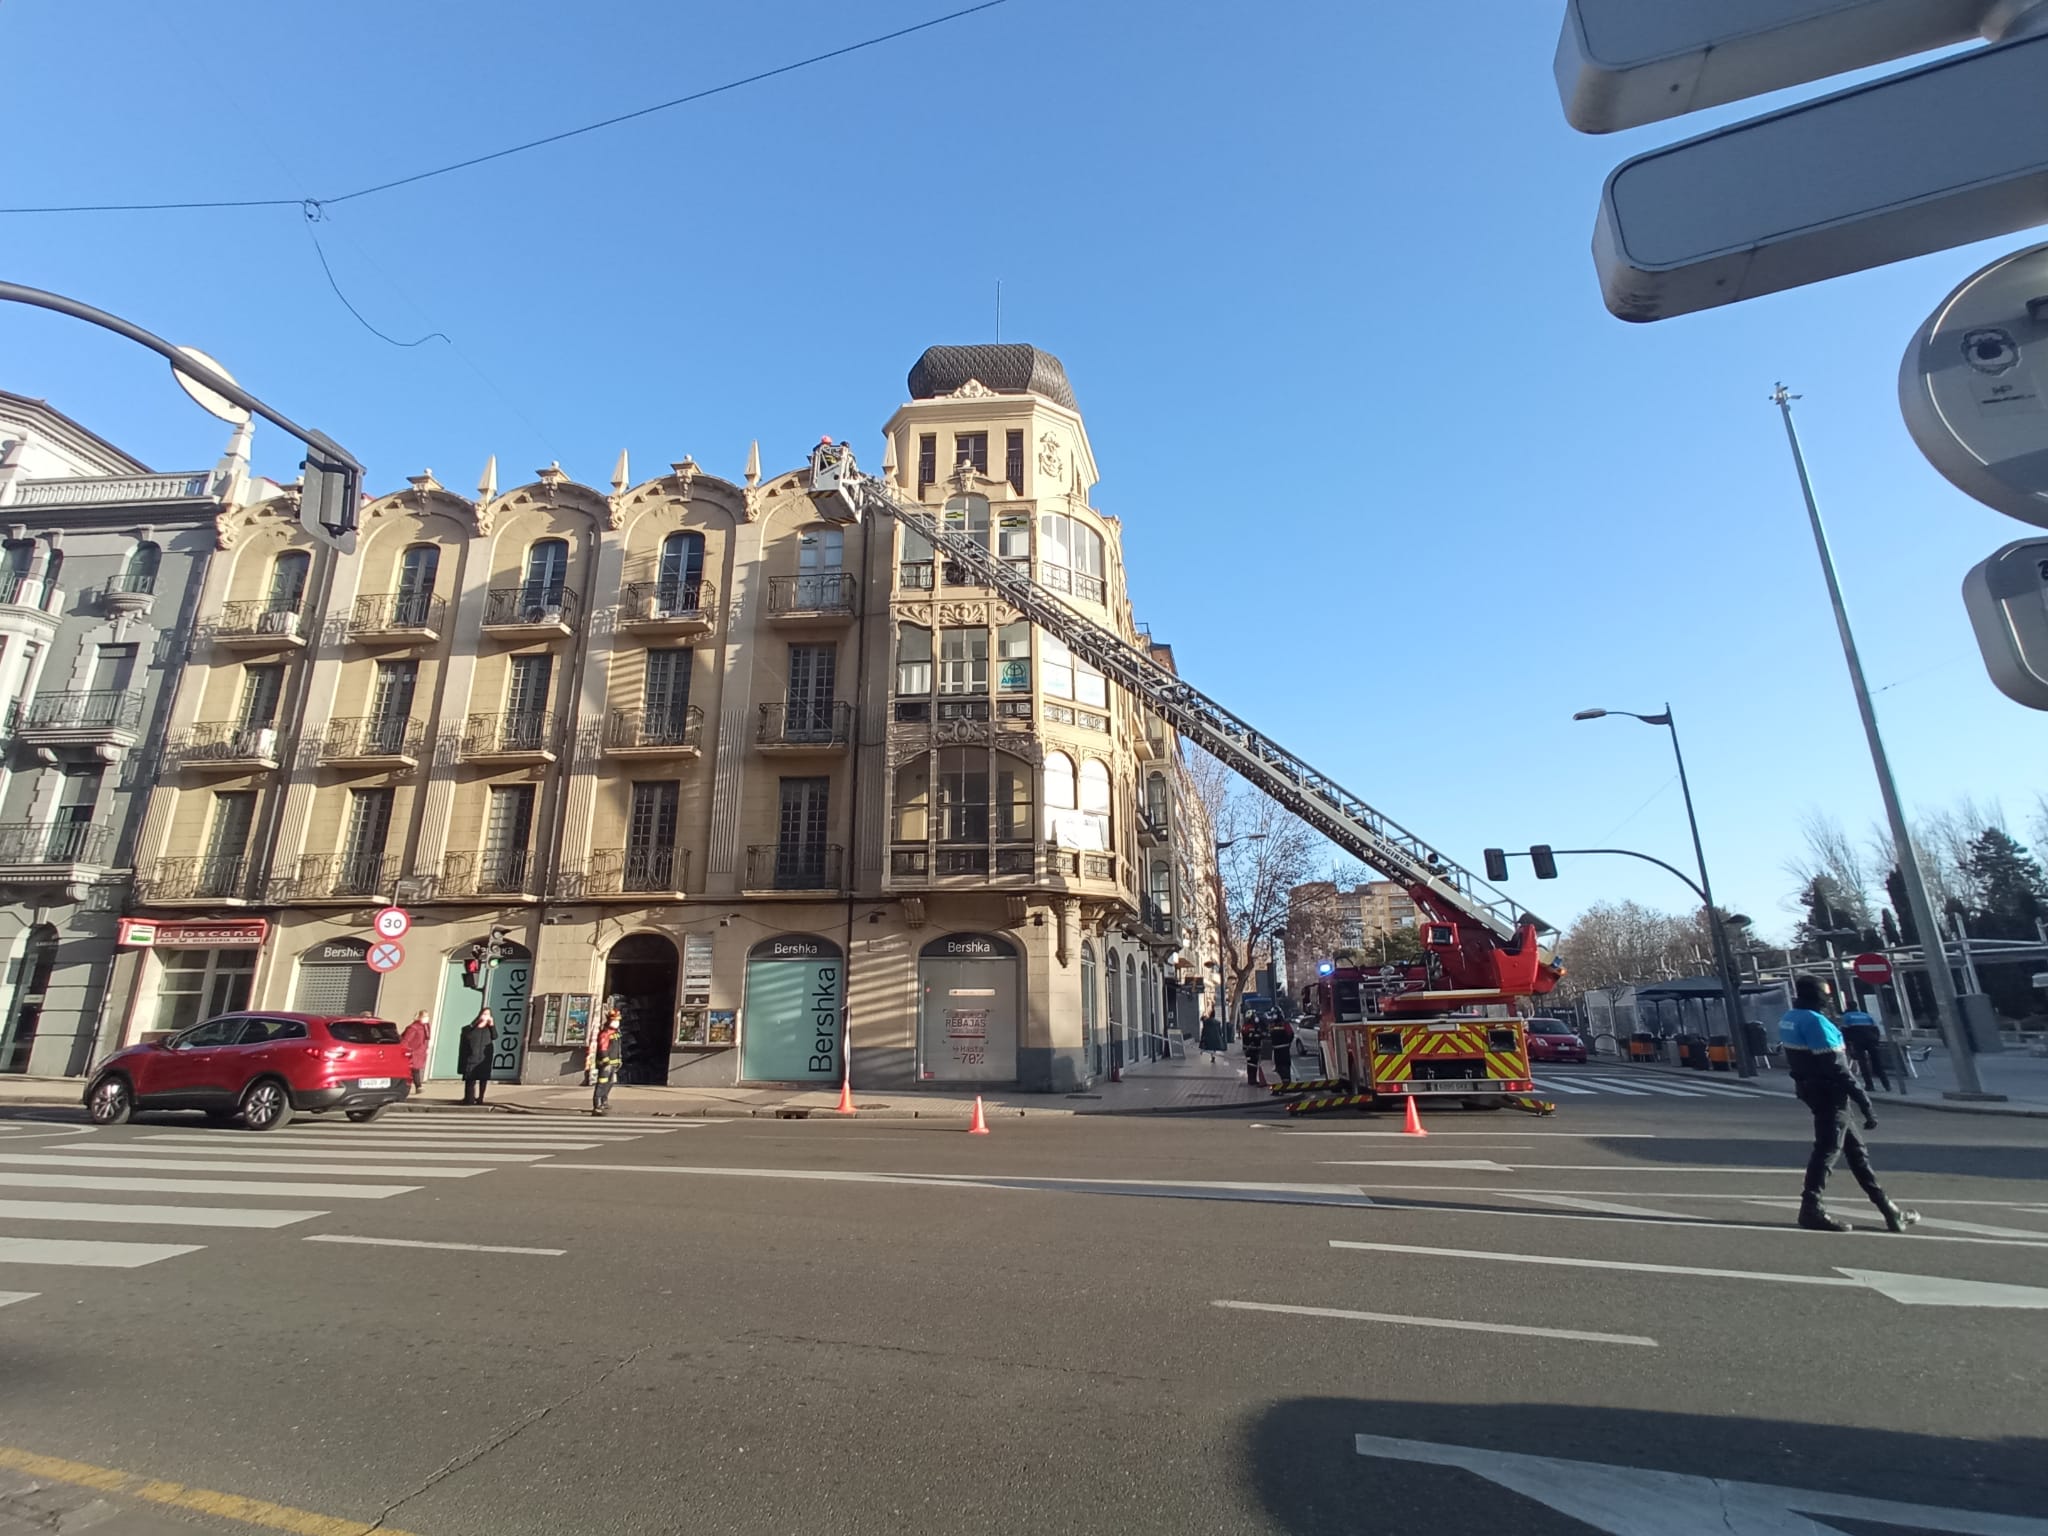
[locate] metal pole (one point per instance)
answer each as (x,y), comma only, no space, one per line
(1731,989)
(1947,1009)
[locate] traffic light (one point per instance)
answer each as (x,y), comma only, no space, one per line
(1544,861)
(1496,864)
(328,495)
(494,951)
(473,969)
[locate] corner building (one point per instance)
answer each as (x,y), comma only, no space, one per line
(710,760)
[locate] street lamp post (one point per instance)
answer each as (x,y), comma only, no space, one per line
(1731,991)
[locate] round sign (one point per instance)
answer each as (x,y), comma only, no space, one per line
(392,923)
(1874,969)
(208,398)
(385,957)
(1974,386)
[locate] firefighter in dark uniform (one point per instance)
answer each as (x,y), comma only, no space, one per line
(1815,1057)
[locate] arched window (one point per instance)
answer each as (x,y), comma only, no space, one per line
(1059,798)
(288,581)
(1070,556)
(681,569)
(1162,886)
(547,573)
(140,574)
(913,799)
(416,573)
(1095,803)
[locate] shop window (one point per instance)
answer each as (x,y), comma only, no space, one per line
(197,983)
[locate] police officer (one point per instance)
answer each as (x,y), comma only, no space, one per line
(1815,1057)
(1863,1036)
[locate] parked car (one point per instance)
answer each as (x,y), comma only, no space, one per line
(1553,1040)
(260,1068)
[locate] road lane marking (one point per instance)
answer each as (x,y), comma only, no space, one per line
(79,1253)
(1630,1265)
(1573,1335)
(9,1298)
(151,1215)
(1941,1223)
(271,1187)
(332,1154)
(1165,1189)
(1479,1163)
(54,1130)
(1474,1164)
(1672,1194)
(1389,1202)
(1573,1135)
(408,1143)
(1630,1501)
(407,1242)
(203,1165)
(1611,1207)
(204,1501)
(1550,1085)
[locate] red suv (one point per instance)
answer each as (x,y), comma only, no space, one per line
(260,1067)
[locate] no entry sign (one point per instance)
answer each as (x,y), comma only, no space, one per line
(1872,970)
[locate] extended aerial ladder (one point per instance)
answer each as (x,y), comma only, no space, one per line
(1483,948)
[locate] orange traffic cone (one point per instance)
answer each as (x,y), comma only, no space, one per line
(845,1096)
(980,1124)
(1413,1125)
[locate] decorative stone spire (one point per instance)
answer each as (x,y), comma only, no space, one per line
(620,478)
(487,488)
(231,474)
(754,465)
(888,455)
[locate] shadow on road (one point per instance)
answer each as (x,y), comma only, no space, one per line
(1971,1160)
(1311,1480)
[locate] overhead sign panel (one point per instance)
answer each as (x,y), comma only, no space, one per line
(1623,63)
(1940,156)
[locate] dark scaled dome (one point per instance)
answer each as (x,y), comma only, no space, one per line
(1007,367)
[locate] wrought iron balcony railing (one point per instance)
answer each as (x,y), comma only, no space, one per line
(822,592)
(805,725)
(61,842)
(625,871)
(488,872)
(211,877)
(655,730)
(523,732)
(351,875)
(271,620)
(668,602)
(398,613)
(25,592)
(225,743)
(530,606)
(373,736)
(795,867)
(84,709)
(914,863)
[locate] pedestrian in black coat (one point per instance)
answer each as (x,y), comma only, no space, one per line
(473,1056)
(1212,1036)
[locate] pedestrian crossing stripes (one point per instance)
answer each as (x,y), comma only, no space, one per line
(163,1176)
(1644,1087)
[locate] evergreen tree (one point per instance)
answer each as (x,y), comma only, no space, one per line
(2012,892)
(1827,916)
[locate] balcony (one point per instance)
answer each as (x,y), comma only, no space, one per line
(678,608)
(791,729)
(663,732)
(128,595)
(795,867)
(1156,915)
(824,597)
(1057,578)
(501,874)
(374,741)
(522,736)
(33,594)
(108,719)
(213,880)
(258,624)
(52,853)
(914,576)
(642,873)
(531,613)
(224,748)
(126,490)
(1153,827)
(347,877)
(398,618)
(1074,864)
(916,864)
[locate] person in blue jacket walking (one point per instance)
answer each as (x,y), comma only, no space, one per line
(1818,1062)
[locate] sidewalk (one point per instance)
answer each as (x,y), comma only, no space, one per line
(1172,1086)
(2021,1077)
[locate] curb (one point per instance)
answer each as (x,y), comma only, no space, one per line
(2013,1112)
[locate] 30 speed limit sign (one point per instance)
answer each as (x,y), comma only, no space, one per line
(392,923)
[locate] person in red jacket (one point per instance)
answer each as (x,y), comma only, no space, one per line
(415,1037)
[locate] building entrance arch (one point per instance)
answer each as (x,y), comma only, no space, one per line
(789,1021)
(640,981)
(968,988)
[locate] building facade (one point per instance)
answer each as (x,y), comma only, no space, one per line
(100,577)
(1324,918)
(704,757)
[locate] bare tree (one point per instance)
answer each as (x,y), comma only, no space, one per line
(1831,854)
(1265,853)
(2040,825)
(1621,944)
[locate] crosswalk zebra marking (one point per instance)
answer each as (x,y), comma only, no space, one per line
(1548,1085)
(151,1215)
(338,1154)
(81,1253)
(285,1188)
(9,1298)
(217,1165)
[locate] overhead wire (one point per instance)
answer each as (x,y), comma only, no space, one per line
(313,218)
(529,144)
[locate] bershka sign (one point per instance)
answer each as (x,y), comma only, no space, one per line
(824,1001)
(337,952)
(796,949)
(148,933)
(969,947)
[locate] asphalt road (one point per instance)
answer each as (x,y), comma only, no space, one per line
(854,1327)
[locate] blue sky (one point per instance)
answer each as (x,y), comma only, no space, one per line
(1394,484)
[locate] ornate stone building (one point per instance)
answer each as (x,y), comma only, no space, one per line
(706,759)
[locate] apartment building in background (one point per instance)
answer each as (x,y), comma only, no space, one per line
(100,575)
(1325,917)
(704,758)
